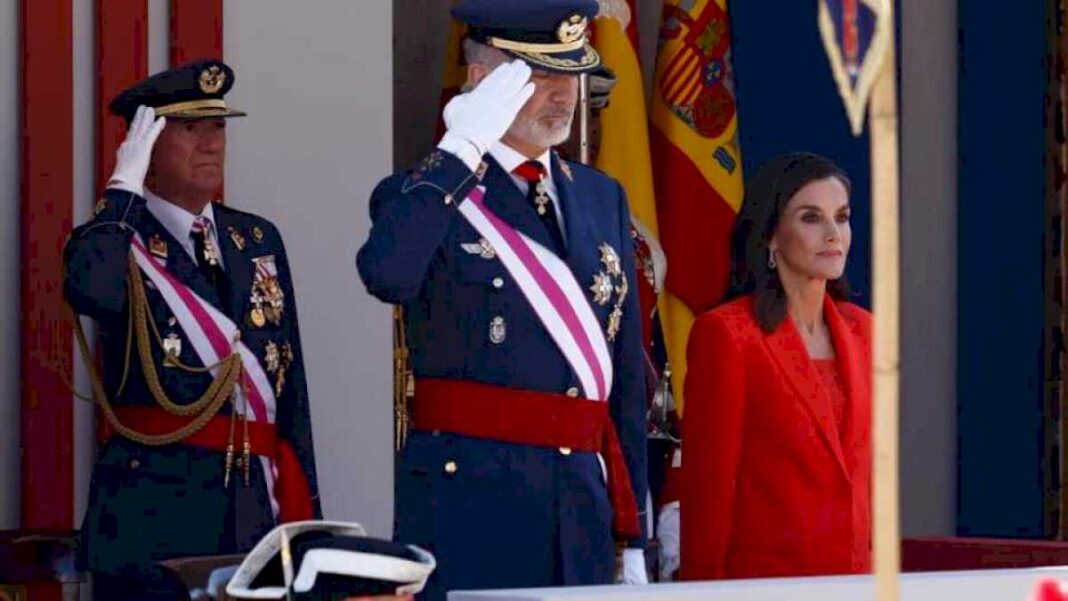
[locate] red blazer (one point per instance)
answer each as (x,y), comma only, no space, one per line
(770,485)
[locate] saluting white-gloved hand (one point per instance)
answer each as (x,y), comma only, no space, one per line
(135,152)
(476,120)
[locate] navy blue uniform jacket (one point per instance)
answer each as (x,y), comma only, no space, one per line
(508,515)
(151,503)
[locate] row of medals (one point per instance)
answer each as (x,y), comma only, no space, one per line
(267,298)
(268,303)
(609,280)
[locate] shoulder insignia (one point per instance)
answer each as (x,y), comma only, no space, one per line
(566,170)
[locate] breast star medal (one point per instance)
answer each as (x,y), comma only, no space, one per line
(271,357)
(602,288)
(610,260)
(609,281)
(278,358)
(615,319)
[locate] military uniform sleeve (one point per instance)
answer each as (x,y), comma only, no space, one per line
(294,413)
(628,403)
(410,217)
(96,257)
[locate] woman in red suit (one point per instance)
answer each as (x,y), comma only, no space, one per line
(777,461)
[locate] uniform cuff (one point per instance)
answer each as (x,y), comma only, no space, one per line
(447,174)
(462,149)
(118,205)
(118,184)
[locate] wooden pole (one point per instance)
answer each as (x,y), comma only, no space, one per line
(886,365)
(584,119)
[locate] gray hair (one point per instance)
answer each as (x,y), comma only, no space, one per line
(476,53)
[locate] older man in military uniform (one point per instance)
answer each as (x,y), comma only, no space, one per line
(203,394)
(516,272)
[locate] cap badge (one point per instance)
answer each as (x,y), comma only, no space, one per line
(212,79)
(572,29)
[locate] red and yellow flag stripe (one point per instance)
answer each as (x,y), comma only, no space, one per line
(696,165)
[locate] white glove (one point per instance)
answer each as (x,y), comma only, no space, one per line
(633,568)
(667,532)
(135,152)
(476,120)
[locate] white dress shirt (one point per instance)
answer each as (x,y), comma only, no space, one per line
(509,159)
(179,222)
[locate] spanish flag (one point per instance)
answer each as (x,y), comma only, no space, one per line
(624,151)
(624,148)
(696,164)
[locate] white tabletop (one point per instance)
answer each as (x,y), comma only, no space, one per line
(976,585)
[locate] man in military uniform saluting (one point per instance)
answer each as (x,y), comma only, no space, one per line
(516,272)
(203,394)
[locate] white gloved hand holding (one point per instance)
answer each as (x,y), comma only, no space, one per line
(476,120)
(667,532)
(633,569)
(135,152)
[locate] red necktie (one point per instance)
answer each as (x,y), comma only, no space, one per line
(533,173)
(205,252)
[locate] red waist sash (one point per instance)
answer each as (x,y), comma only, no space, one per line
(531,418)
(291,485)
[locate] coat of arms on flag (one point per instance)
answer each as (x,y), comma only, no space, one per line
(856,34)
(696,82)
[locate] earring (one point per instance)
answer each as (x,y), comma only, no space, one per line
(772,262)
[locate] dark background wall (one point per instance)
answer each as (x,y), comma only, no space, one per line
(1003,79)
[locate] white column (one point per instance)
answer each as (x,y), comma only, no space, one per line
(84,162)
(928,92)
(9,263)
(316,80)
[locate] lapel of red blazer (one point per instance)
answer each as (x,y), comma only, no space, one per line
(789,350)
(854,363)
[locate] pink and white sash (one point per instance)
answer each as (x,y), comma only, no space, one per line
(212,335)
(556,297)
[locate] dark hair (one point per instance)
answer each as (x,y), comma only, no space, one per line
(766,196)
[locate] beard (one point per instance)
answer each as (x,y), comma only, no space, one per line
(549,127)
